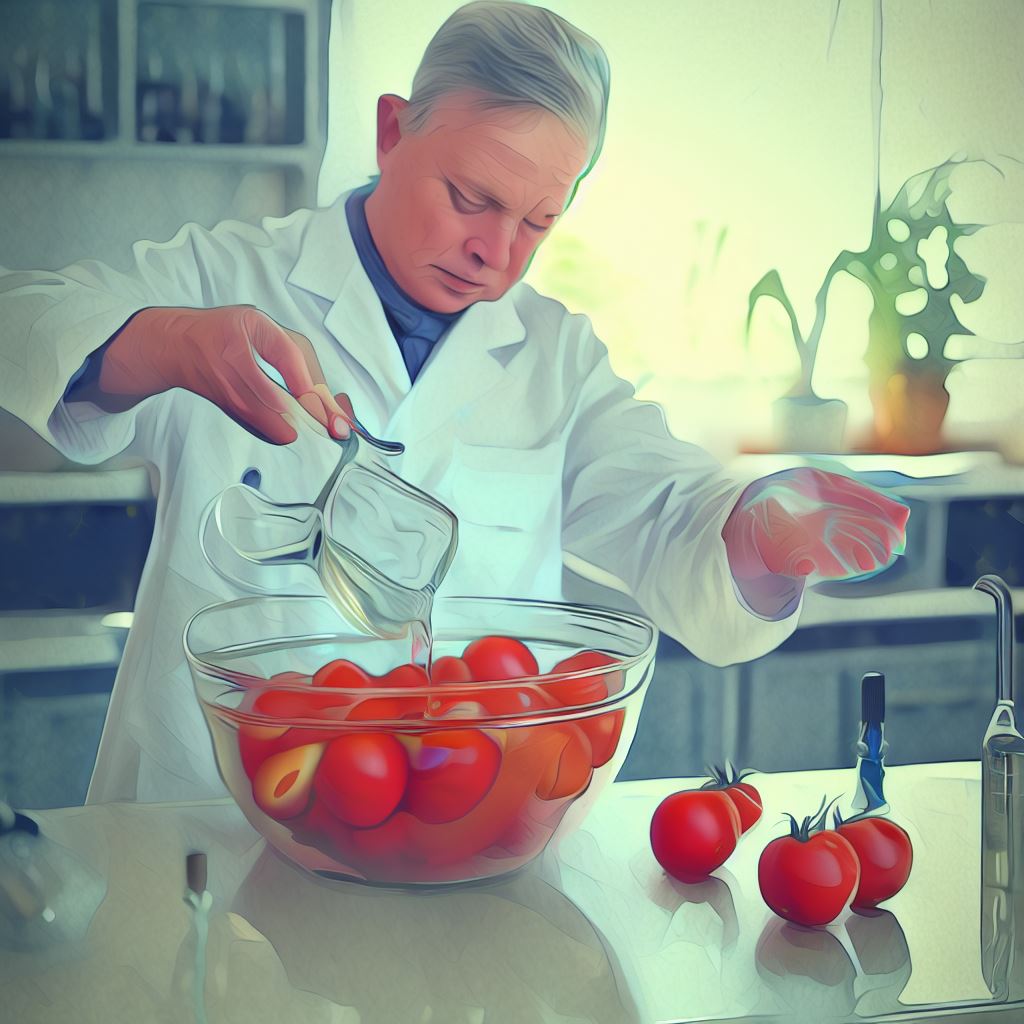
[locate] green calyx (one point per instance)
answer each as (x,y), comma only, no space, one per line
(812,824)
(724,776)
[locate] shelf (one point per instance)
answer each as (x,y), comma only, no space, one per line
(908,605)
(108,487)
(917,468)
(41,641)
(116,149)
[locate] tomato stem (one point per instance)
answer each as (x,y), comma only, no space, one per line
(723,777)
(812,823)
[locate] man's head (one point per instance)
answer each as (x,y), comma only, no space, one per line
(507,113)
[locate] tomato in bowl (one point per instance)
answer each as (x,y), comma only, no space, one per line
(357,763)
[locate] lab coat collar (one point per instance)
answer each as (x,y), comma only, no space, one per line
(474,355)
(326,252)
(328,266)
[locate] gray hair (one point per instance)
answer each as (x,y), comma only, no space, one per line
(517,55)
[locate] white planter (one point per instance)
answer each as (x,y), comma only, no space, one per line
(809,424)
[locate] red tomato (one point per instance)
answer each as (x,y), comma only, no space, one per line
(744,795)
(808,879)
(495,658)
(450,772)
(450,670)
(258,742)
(513,700)
(487,701)
(603,731)
(885,854)
(388,709)
(569,773)
(406,676)
(289,679)
(524,757)
(748,802)
(302,703)
(343,675)
(319,827)
(283,783)
(586,689)
(362,776)
(694,832)
(385,844)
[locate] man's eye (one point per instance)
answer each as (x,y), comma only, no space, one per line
(462,204)
(538,228)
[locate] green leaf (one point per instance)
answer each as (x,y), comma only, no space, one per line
(770,286)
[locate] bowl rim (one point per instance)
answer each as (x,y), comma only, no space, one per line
(245,681)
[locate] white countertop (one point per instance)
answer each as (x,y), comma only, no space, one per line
(593,933)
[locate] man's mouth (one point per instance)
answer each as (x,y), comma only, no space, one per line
(457,282)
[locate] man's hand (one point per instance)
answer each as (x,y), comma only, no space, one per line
(805,524)
(212,352)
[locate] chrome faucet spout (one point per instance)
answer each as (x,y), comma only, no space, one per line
(996,587)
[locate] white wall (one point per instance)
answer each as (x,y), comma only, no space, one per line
(752,119)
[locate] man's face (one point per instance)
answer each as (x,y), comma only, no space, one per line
(463,203)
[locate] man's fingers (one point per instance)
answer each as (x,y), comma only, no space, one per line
(337,417)
(305,347)
(279,348)
(836,489)
(345,404)
(294,356)
(259,405)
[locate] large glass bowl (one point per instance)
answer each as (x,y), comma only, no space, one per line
(415,784)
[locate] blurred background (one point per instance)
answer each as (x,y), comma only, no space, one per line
(804,240)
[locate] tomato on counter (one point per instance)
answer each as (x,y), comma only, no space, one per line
(694,832)
(743,794)
(885,854)
(810,876)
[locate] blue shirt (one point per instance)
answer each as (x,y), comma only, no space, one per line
(416,329)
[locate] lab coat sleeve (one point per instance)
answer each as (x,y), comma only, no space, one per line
(643,512)
(51,321)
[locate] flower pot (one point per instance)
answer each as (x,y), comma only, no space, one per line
(909,410)
(806,423)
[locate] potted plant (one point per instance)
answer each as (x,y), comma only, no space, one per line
(912,271)
(802,421)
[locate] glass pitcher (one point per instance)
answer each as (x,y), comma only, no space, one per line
(380,546)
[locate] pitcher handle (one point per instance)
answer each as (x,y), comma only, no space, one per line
(243,534)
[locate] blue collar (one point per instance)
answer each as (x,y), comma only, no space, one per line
(405,316)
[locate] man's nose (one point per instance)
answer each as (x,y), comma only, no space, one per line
(492,243)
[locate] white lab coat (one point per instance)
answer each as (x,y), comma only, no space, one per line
(517,422)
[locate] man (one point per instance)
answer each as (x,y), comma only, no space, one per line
(403,301)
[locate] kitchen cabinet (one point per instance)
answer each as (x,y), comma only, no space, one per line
(920,623)
(150,114)
(798,707)
(72,545)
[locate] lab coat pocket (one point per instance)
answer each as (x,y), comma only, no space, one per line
(509,505)
(511,487)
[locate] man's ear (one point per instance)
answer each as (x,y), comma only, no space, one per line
(389,127)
